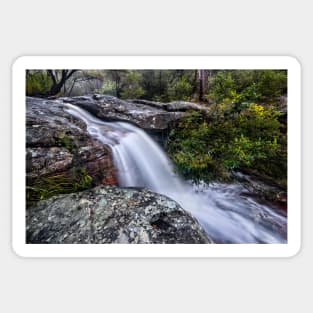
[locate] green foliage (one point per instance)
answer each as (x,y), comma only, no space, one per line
(209,147)
(108,88)
(260,85)
(168,85)
(249,94)
(239,86)
(223,87)
(155,84)
(131,86)
(37,82)
(68,143)
(46,187)
(182,90)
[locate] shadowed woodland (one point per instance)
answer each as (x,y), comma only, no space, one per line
(215,141)
(243,127)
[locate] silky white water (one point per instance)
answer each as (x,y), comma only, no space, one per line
(224,213)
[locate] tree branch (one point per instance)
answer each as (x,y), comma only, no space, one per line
(50,72)
(71,73)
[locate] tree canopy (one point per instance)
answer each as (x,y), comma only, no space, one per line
(243,126)
(207,86)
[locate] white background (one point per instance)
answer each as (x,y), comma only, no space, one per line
(163,27)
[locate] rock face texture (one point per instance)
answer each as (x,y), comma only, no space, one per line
(149,115)
(64,164)
(265,189)
(61,157)
(173,106)
(108,214)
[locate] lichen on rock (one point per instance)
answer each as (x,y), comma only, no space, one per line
(61,156)
(108,214)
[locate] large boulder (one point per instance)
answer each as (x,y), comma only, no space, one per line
(149,115)
(60,154)
(108,214)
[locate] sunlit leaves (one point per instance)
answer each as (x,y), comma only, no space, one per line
(209,147)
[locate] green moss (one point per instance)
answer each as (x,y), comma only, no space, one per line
(68,143)
(46,187)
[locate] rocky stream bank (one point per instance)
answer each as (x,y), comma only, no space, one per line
(71,181)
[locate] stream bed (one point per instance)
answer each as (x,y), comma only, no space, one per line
(227,213)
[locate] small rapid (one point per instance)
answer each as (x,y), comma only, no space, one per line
(224,212)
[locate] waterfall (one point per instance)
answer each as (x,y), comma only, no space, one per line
(222,211)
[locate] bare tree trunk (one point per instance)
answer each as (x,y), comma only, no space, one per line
(208,82)
(57,84)
(195,84)
(202,84)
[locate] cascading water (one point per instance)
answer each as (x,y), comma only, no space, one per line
(226,215)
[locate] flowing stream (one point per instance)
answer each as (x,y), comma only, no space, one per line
(224,212)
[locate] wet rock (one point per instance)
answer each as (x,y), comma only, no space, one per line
(149,115)
(156,104)
(108,214)
(60,151)
(173,106)
(262,187)
(184,106)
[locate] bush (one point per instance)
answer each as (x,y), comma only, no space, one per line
(182,90)
(131,88)
(223,87)
(209,147)
(38,82)
(238,86)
